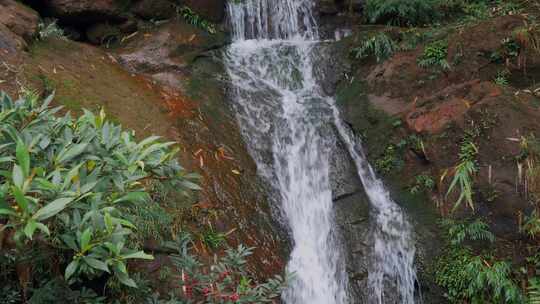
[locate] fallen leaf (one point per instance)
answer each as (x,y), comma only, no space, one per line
(236,172)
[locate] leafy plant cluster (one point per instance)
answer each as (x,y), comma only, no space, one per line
(65,182)
(402,12)
(49,28)
(194,19)
(422,182)
(469,278)
(434,55)
(225,281)
(381,46)
(463,174)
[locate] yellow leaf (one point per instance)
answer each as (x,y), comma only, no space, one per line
(236,172)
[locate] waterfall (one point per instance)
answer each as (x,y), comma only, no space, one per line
(284,116)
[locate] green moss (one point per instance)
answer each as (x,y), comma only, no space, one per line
(374,125)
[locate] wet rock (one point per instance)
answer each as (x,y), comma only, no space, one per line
(84,12)
(169,47)
(352,217)
(211,10)
(19,19)
(154,9)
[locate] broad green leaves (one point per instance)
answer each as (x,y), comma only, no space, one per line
(65,178)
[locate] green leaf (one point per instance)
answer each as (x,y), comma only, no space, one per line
(52,208)
(23,157)
(71,153)
(138,255)
(30,228)
(18,176)
(21,200)
(125,279)
(190,185)
(43,228)
(71,268)
(5,211)
(97,264)
(135,197)
(85,238)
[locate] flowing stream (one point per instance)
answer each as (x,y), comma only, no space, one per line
(284,116)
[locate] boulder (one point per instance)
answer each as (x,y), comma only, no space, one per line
(211,10)
(18,18)
(10,44)
(154,9)
(84,12)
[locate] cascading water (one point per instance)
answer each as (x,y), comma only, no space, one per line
(284,117)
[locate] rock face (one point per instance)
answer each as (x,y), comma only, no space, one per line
(18,18)
(154,9)
(18,25)
(82,12)
(185,59)
(212,10)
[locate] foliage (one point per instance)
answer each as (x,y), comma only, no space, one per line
(534,291)
(435,55)
(402,12)
(57,289)
(381,46)
(64,181)
(390,159)
(458,232)
(226,280)
(50,29)
(464,173)
(194,19)
(423,182)
(501,78)
(532,224)
(474,279)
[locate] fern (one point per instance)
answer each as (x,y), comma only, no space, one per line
(458,232)
(381,46)
(402,12)
(534,291)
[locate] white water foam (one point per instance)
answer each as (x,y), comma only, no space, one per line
(282,110)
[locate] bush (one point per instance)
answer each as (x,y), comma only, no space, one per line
(225,281)
(469,278)
(434,55)
(381,46)
(402,12)
(64,182)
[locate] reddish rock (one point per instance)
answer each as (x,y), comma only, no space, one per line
(211,10)
(434,120)
(18,18)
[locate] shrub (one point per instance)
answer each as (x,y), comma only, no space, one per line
(381,46)
(64,182)
(50,29)
(194,19)
(469,278)
(435,55)
(225,281)
(401,12)
(464,173)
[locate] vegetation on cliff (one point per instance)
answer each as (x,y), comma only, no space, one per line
(79,200)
